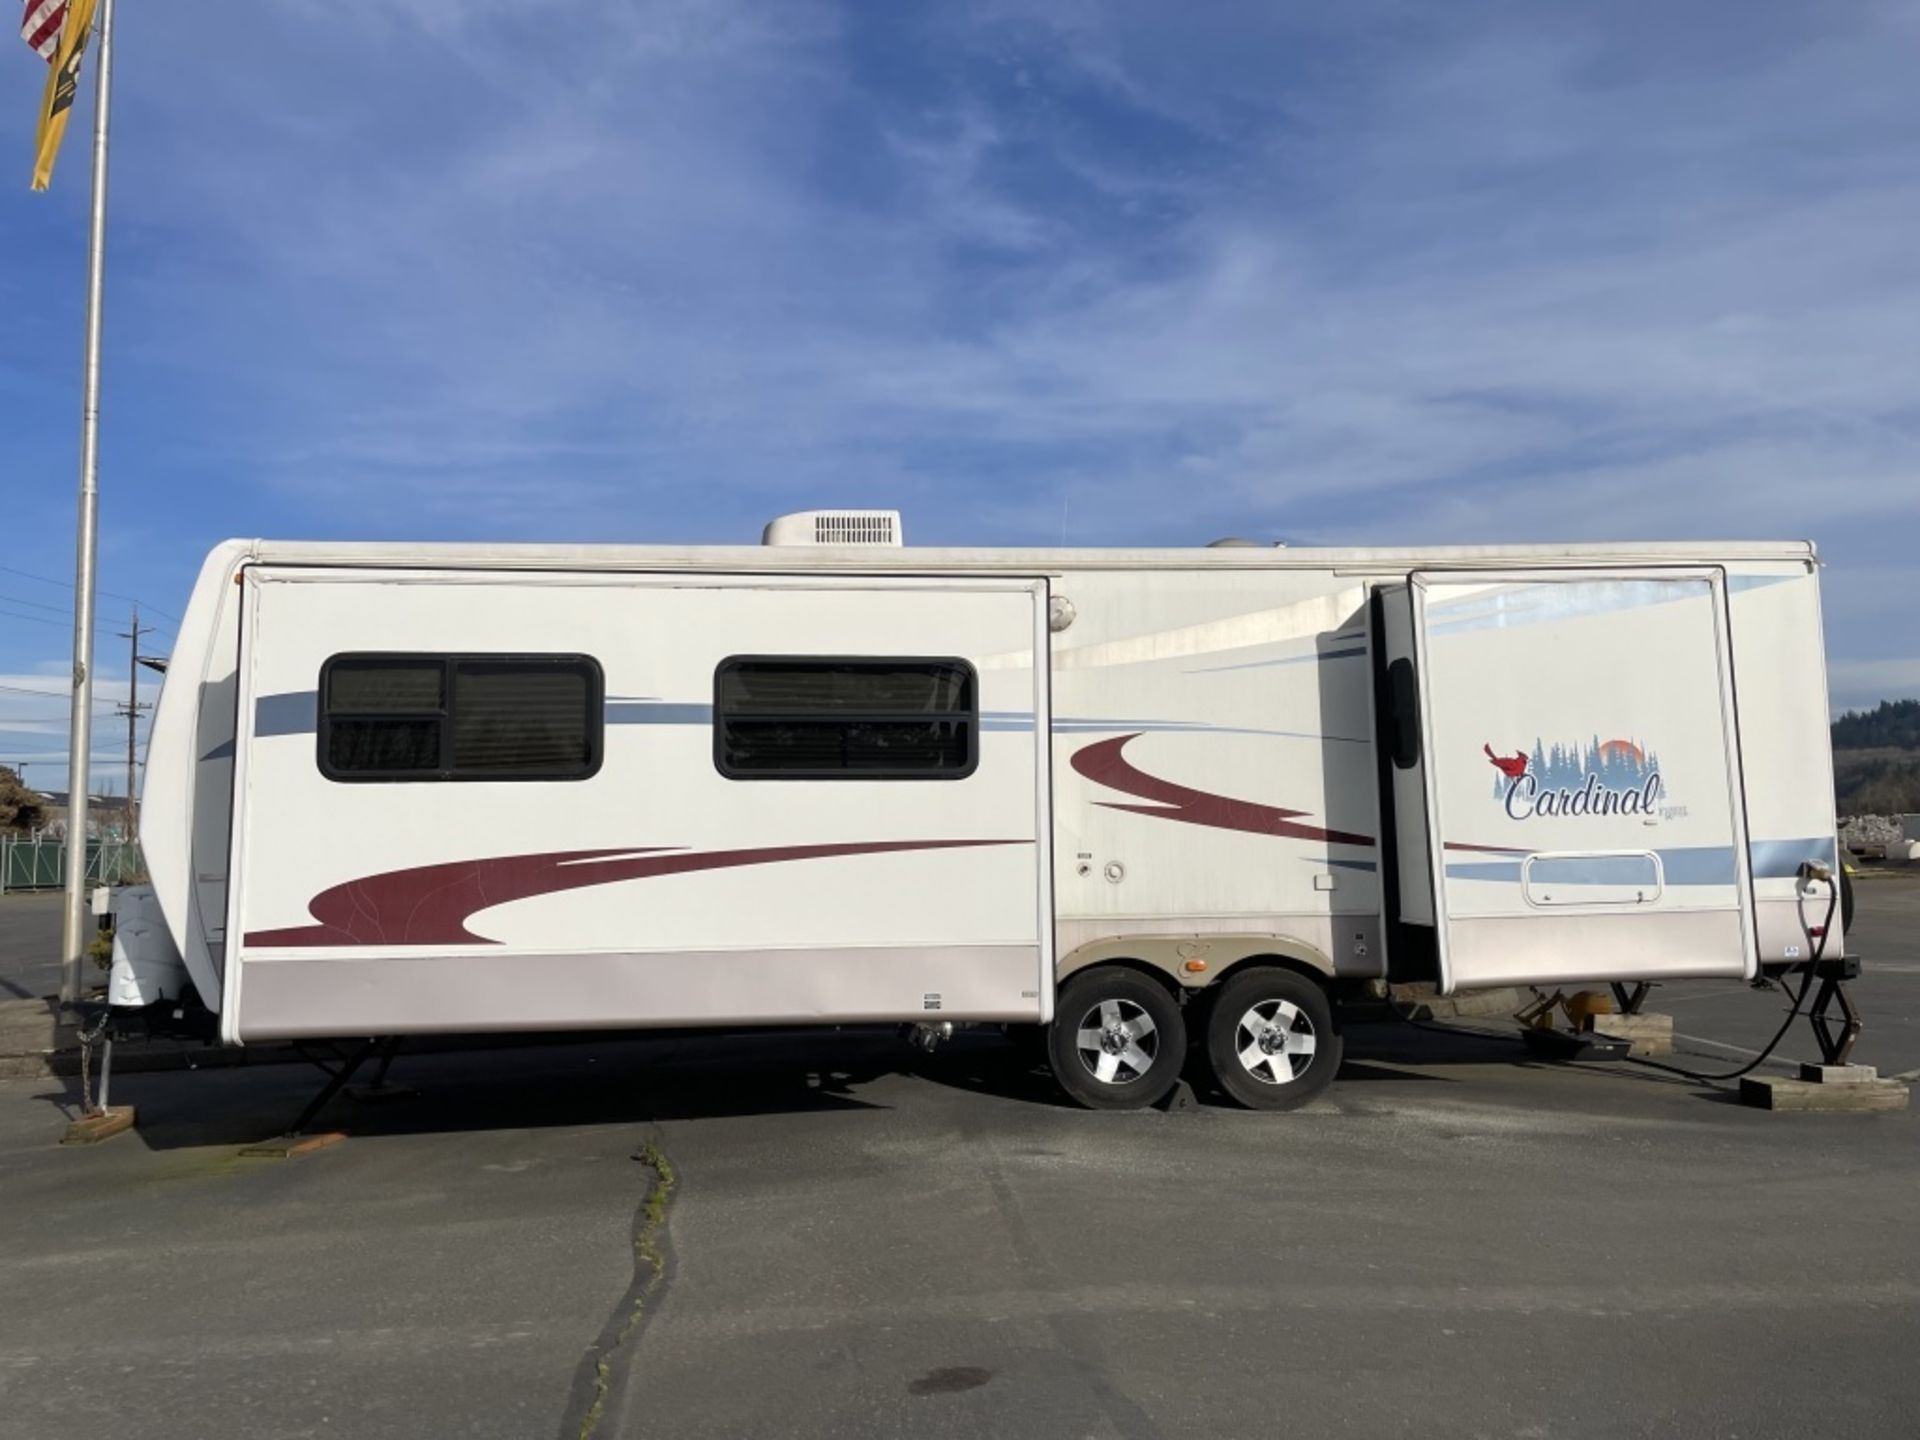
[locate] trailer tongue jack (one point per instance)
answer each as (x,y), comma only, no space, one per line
(339,1066)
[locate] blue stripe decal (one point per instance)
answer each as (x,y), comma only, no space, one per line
(1699,865)
(296,713)
(666,712)
(1505,871)
(1595,870)
(1068,725)
(1780,859)
(657,712)
(1683,865)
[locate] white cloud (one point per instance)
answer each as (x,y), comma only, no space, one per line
(1862,684)
(1381,272)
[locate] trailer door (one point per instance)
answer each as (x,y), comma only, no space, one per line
(1584,810)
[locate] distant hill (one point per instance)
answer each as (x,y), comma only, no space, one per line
(1890,724)
(1876,759)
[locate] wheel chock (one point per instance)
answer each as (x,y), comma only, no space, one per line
(91,1129)
(292,1147)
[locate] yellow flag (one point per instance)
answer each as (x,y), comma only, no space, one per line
(63,83)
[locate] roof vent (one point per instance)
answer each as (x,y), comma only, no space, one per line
(834,527)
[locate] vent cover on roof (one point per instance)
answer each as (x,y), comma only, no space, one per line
(835,527)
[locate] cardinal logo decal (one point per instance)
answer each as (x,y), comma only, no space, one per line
(1602,777)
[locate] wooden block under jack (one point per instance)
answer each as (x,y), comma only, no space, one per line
(1826,1087)
(1645,1034)
(292,1147)
(90,1129)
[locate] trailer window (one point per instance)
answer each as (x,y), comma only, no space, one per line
(460,717)
(1403,704)
(832,718)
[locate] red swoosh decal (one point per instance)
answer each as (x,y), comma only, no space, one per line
(431,904)
(1103,764)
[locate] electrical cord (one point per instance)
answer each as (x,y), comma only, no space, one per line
(1817,946)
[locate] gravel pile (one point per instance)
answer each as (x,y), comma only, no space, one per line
(1873,830)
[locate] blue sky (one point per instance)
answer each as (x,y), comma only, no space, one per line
(469,269)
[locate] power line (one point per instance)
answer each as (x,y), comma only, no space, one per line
(67,621)
(100,627)
(52,695)
(68,585)
(35,605)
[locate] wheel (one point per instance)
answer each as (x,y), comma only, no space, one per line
(1117,1040)
(1846,898)
(1270,1039)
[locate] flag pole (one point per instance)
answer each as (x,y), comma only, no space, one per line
(73,978)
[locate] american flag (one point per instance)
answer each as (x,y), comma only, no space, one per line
(41,27)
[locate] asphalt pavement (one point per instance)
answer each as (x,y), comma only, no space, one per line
(30,944)
(1456,1240)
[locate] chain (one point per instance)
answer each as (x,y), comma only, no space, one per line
(86,1039)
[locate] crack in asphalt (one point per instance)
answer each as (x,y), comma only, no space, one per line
(606,1360)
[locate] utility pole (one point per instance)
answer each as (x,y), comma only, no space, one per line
(131,710)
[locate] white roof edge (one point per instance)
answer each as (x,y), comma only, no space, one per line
(912,558)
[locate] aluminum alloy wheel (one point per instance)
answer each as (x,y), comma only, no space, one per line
(1117,1042)
(1275,1042)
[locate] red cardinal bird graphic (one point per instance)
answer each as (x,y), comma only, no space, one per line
(1511,766)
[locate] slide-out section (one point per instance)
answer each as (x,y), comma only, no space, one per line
(1574,787)
(475,801)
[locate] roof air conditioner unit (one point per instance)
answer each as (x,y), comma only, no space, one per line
(834,527)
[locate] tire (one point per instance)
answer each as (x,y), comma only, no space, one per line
(1846,898)
(1293,1060)
(1106,1023)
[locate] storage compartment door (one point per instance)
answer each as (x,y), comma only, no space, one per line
(1584,807)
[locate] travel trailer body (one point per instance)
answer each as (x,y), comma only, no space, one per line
(397,789)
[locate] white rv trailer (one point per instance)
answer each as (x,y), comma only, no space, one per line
(396,789)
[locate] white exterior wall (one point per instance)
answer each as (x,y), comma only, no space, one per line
(1249,699)
(1780,682)
(949,921)
(1619,850)
(1250,730)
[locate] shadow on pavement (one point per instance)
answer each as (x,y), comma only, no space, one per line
(590,1081)
(529,1083)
